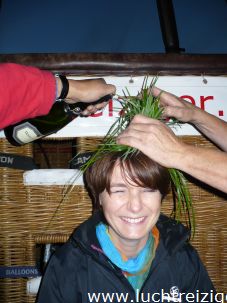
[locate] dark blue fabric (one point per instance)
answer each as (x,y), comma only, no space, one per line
(77,271)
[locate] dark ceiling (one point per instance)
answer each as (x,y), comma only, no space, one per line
(126,26)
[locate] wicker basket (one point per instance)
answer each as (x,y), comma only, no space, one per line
(26,212)
(43,216)
(46,222)
(12,225)
(48,153)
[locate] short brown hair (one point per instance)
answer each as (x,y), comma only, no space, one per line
(136,168)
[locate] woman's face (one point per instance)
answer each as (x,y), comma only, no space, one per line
(131,211)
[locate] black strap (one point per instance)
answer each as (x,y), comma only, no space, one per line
(65,87)
(80,159)
(17,162)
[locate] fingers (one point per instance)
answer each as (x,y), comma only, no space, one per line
(133,141)
(155,91)
(137,131)
(166,98)
(142,127)
(172,111)
(133,136)
(111,89)
(174,107)
(99,88)
(141,119)
(92,109)
(89,90)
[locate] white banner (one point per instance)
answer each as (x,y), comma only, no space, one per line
(209,93)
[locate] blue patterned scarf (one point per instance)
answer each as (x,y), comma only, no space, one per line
(135,269)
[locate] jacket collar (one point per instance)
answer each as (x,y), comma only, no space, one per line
(173,235)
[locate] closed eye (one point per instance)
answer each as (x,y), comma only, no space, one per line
(149,190)
(117,191)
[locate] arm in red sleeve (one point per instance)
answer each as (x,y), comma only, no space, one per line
(25,92)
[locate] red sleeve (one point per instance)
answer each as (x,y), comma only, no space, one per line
(25,92)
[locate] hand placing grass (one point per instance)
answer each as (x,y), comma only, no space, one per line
(148,105)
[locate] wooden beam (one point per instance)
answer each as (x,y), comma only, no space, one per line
(124,64)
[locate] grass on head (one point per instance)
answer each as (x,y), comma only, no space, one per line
(148,105)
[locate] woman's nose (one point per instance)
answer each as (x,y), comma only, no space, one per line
(134,203)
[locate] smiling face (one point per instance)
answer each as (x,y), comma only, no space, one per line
(130,210)
(129,192)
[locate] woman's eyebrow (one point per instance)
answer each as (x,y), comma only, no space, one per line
(117,185)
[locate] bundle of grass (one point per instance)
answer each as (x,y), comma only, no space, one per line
(148,105)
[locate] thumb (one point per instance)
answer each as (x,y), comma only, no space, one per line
(155,91)
(110,89)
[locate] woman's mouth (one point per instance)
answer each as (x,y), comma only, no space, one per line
(133,220)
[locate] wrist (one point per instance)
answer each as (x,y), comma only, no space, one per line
(178,157)
(188,157)
(62,87)
(58,88)
(73,91)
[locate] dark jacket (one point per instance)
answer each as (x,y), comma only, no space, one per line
(80,272)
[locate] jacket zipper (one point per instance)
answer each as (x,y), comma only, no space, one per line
(117,271)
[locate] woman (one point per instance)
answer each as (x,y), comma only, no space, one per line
(127,251)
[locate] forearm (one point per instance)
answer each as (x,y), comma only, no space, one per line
(207,165)
(212,127)
(25,92)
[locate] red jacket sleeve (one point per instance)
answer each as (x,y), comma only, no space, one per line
(25,92)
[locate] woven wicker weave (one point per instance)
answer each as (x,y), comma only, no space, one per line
(12,224)
(25,214)
(48,153)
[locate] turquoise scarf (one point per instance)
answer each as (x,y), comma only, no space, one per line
(133,266)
